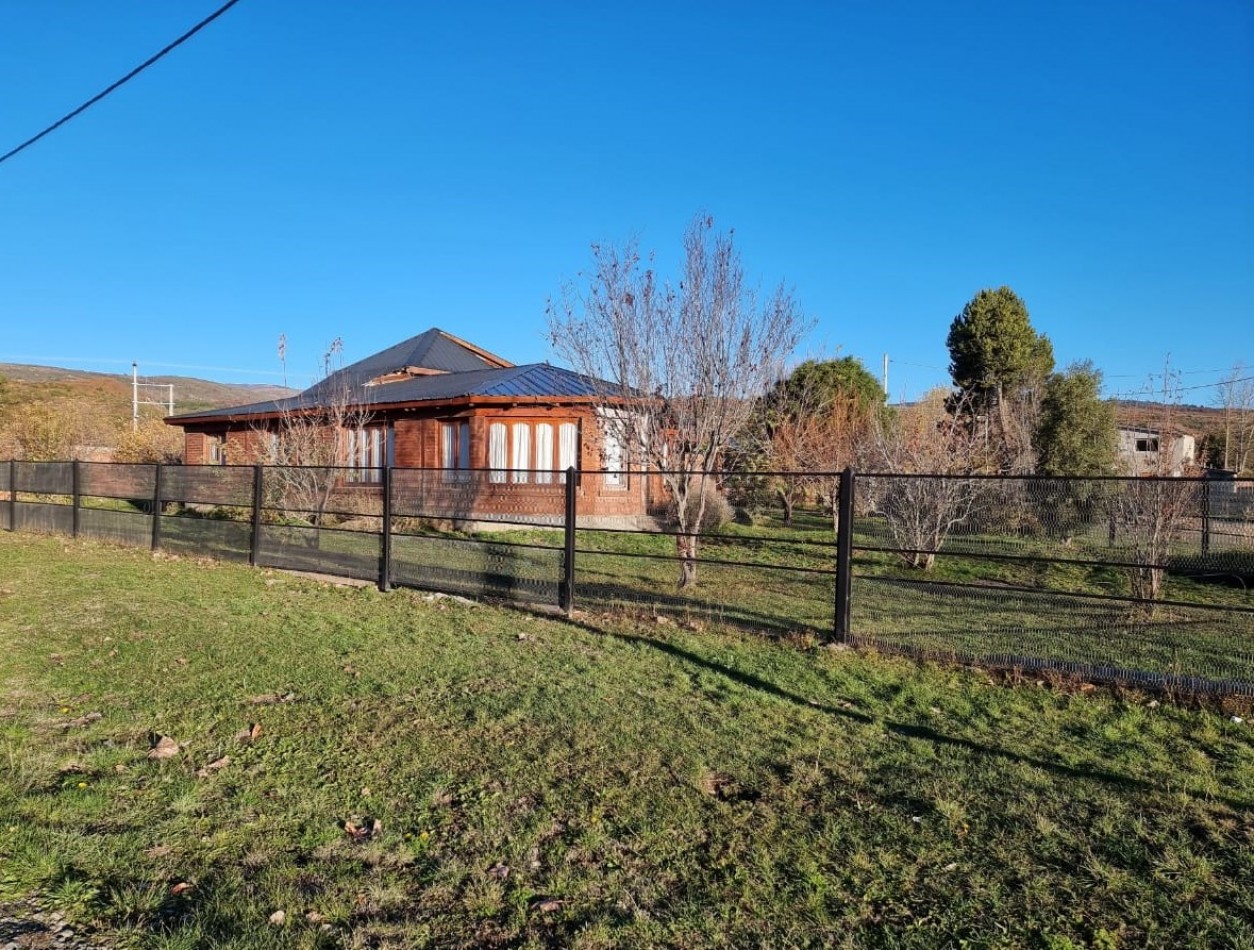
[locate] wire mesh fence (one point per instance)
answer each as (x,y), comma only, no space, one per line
(1138,579)
(735,559)
(1141,580)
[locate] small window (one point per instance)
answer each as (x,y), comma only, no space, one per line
(544,453)
(215,449)
(522,452)
(1147,445)
(612,459)
(498,449)
(455,451)
(567,447)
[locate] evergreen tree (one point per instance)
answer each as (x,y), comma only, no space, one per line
(817,383)
(993,348)
(1076,434)
(999,364)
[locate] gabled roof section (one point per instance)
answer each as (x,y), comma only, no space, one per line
(429,353)
(531,382)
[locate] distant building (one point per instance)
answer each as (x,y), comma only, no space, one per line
(1152,451)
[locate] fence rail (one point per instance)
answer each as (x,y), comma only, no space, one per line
(1145,581)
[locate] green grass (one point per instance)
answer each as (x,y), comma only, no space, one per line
(982,622)
(594,784)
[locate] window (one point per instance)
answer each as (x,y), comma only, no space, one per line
(567,447)
(612,458)
(498,452)
(544,453)
(367,453)
(523,452)
(1147,445)
(215,449)
(455,451)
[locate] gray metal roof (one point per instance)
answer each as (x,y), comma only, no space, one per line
(432,350)
(533,380)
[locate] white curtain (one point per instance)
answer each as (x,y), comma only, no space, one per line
(522,451)
(377,460)
(567,447)
(448,449)
(613,451)
(497,460)
(544,453)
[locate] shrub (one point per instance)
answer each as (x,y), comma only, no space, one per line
(718,510)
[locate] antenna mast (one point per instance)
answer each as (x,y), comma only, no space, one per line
(166,403)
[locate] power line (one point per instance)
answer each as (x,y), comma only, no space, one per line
(1184,389)
(129,76)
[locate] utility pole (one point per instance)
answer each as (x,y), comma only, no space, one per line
(885,375)
(134,395)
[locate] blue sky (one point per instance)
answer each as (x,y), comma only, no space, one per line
(366,171)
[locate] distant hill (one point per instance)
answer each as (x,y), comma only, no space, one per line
(48,412)
(34,383)
(1191,419)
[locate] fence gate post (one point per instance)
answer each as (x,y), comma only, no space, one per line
(844,555)
(75,499)
(156,507)
(566,591)
(385,548)
(254,546)
(12,494)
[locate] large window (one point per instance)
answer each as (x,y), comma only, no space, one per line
(523,452)
(455,450)
(367,452)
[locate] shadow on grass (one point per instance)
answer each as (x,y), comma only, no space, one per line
(905,729)
(742,618)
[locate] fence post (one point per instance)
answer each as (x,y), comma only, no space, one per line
(254,545)
(156,507)
(844,555)
(385,552)
(566,591)
(1205,517)
(12,494)
(75,499)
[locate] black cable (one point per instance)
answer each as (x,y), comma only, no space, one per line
(131,75)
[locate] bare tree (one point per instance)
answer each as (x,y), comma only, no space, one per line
(1236,399)
(812,434)
(307,445)
(934,440)
(1152,511)
(679,367)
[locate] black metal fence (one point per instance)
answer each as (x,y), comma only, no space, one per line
(1141,580)
(1134,580)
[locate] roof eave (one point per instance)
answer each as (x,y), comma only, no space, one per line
(460,402)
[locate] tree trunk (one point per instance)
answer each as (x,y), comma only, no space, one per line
(686,547)
(786,500)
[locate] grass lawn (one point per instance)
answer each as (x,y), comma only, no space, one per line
(540,783)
